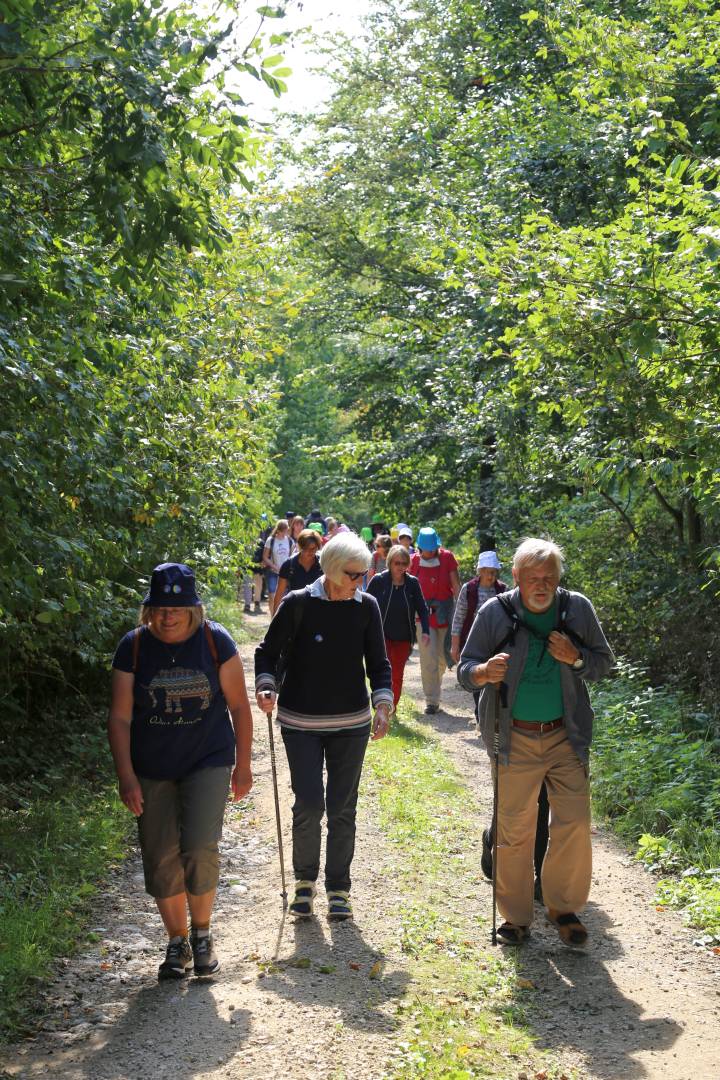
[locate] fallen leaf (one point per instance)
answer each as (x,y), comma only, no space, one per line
(375,970)
(462,1051)
(660,907)
(300,962)
(716,950)
(105,966)
(541,1076)
(526,984)
(354,966)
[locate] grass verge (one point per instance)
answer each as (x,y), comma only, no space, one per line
(54,853)
(656,778)
(463,1014)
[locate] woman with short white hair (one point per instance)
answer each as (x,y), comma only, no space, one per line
(330,638)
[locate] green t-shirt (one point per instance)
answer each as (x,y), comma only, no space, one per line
(539,694)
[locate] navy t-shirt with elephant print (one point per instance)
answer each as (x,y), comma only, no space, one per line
(180,719)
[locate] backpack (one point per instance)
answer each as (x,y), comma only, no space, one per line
(209,637)
(516,622)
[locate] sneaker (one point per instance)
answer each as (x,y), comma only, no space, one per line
(178,959)
(301,905)
(247,610)
(339,906)
(258,609)
(486,857)
(430,710)
(203,952)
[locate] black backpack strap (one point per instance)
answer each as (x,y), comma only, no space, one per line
(509,639)
(563,597)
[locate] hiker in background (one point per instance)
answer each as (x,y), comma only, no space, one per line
(484,586)
(315,517)
(379,556)
(531,650)
(405,537)
(258,569)
(180,730)
(302,568)
(437,571)
(332,525)
(330,638)
(401,603)
(278,548)
(297,524)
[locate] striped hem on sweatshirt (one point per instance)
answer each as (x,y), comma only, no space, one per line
(336,722)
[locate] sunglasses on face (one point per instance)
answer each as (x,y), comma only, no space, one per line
(354,575)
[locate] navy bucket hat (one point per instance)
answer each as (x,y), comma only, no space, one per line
(172,585)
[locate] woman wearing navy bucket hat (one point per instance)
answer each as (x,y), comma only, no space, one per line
(180,731)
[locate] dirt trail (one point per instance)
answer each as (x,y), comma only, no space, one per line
(299,999)
(642,1001)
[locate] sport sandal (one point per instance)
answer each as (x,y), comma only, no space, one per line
(339,906)
(571,930)
(301,905)
(510,934)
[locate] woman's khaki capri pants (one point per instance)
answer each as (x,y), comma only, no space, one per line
(179,830)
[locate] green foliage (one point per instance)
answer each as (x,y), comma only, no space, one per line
(132,327)
(513,247)
(656,776)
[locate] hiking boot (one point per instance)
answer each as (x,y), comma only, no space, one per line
(339,906)
(178,959)
(203,952)
(247,610)
(258,609)
(301,905)
(486,857)
(537,892)
(431,709)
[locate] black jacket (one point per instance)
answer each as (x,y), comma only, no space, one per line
(381,588)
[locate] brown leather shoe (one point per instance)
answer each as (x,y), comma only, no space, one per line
(571,930)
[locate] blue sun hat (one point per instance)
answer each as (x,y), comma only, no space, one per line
(427,539)
(172,584)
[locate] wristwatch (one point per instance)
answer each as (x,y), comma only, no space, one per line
(577,664)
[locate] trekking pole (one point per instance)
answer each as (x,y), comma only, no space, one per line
(277,809)
(496,770)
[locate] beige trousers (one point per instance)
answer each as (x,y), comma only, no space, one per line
(568,863)
(432,664)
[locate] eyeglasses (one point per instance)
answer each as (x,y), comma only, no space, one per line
(354,575)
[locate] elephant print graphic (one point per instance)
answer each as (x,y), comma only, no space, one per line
(179,686)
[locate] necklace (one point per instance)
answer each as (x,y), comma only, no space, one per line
(178,648)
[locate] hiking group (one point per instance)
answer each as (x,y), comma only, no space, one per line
(346,611)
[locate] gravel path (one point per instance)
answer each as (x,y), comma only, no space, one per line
(316,1000)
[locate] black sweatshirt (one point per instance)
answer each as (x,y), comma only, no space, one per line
(327,656)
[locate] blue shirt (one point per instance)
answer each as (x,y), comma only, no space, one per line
(180,720)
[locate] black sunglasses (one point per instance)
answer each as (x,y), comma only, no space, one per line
(354,575)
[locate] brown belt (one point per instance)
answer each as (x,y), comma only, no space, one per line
(539,729)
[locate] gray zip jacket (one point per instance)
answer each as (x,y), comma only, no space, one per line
(488,630)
